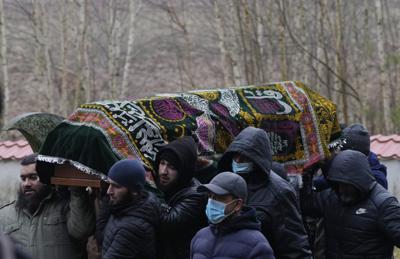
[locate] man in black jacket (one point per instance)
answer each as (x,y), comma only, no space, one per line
(126,228)
(273,198)
(361,218)
(182,212)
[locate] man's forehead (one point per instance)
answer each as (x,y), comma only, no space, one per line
(28,169)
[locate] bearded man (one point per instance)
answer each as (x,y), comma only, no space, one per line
(44,223)
(182,210)
(126,226)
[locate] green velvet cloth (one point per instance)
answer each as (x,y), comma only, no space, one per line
(84,147)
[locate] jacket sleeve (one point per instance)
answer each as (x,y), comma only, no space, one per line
(101,220)
(312,200)
(80,216)
(389,220)
(289,237)
(186,211)
(126,243)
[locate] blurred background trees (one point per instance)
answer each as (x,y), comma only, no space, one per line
(57,54)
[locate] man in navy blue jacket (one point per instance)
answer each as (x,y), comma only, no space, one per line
(234,231)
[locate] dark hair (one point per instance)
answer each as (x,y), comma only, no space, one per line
(29,159)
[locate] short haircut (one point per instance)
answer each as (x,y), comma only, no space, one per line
(29,159)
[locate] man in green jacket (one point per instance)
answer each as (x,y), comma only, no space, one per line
(44,223)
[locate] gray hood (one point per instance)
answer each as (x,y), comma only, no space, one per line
(252,143)
(352,167)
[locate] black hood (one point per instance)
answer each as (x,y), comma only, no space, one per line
(252,143)
(185,149)
(146,208)
(352,167)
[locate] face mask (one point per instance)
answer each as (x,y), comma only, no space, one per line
(215,211)
(242,168)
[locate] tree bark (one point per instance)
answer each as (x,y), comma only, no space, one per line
(226,62)
(133,12)
(339,61)
(81,94)
(4,92)
(386,120)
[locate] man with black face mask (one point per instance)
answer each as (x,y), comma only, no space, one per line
(361,218)
(182,213)
(43,223)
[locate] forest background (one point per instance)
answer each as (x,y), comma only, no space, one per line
(57,54)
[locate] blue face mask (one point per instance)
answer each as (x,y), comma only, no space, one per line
(215,211)
(242,168)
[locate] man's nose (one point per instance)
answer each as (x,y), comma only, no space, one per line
(162,169)
(109,190)
(26,183)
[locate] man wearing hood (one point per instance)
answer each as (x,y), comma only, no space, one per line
(361,218)
(126,227)
(356,137)
(234,231)
(273,198)
(182,211)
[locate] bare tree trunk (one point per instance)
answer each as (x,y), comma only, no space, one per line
(248,44)
(259,20)
(226,61)
(323,49)
(181,23)
(386,122)
(49,70)
(43,68)
(339,61)
(64,107)
(111,22)
(282,44)
(133,12)
(300,57)
(81,87)
(4,95)
(234,38)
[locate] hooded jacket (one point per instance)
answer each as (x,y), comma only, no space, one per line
(366,228)
(237,237)
(183,212)
(378,171)
(273,198)
(130,231)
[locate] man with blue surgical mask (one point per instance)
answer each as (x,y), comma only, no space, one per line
(231,222)
(275,202)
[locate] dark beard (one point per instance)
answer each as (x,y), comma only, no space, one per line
(126,199)
(32,203)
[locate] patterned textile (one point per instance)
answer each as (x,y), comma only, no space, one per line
(298,121)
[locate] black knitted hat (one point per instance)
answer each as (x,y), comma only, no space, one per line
(128,173)
(356,137)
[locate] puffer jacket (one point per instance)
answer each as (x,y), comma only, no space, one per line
(367,228)
(378,169)
(130,231)
(57,229)
(273,198)
(238,237)
(183,211)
